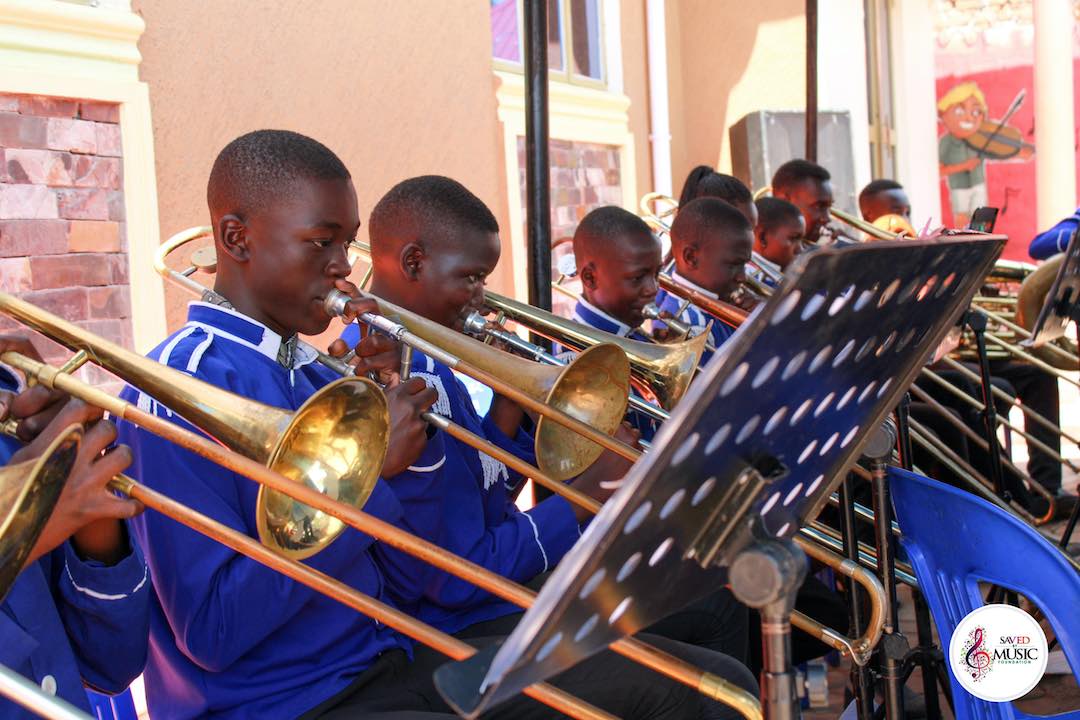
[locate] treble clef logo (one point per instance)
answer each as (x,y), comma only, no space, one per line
(976,658)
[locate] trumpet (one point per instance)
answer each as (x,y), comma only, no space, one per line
(191,400)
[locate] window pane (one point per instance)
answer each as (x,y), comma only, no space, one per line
(555,35)
(505,36)
(585,26)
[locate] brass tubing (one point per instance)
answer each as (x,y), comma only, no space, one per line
(1021,330)
(977,482)
(867,559)
(726,312)
(925,397)
(512,461)
(393,536)
(1002,395)
(1044,366)
(861,647)
(862,512)
(865,550)
(337,590)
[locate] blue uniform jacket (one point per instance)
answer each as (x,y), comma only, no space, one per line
(1056,239)
(228,636)
(588,314)
(465,505)
(696,318)
(67,621)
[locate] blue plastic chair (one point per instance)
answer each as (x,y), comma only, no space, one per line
(956,540)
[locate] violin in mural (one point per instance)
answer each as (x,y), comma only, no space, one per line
(971,139)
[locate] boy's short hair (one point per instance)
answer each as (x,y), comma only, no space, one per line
(703,181)
(773,212)
(703,217)
(878,186)
(602,226)
(959,93)
(261,166)
(428,206)
(793,172)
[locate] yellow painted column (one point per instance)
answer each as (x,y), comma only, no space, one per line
(1055,156)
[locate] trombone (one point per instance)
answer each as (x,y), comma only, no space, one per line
(664,371)
(34,486)
(578,418)
(435,337)
(190,399)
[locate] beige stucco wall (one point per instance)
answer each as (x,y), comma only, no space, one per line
(396,89)
(727,58)
(636,86)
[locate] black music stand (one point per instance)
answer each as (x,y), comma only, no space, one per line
(754,450)
(1062,306)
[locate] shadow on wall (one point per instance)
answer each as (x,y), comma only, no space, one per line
(727,58)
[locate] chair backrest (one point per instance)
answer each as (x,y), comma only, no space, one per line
(955,540)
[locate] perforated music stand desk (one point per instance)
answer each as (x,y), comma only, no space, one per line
(751,452)
(1062,303)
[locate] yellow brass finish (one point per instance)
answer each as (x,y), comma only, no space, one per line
(28,493)
(594,389)
(346,415)
(665,369)
(728,313)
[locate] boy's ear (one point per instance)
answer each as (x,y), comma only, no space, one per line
(690,255)
(762,238)
(234,238)
(588,275)
(412,261)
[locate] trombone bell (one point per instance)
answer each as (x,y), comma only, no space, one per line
(28,493)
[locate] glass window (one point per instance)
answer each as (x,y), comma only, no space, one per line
(505,33)
(585,41)
(576,22)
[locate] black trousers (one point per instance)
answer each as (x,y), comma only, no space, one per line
(820,602)
(396,689)
(1038,390)
(692,631)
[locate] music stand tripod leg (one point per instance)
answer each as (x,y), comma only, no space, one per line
(894,646)
(766,577)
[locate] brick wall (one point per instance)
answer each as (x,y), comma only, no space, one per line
(62,239)
(584,176)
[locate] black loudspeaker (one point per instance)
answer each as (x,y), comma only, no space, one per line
(764,140)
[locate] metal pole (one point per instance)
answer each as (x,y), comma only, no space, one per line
(811,80)
(862,679)
(537,165)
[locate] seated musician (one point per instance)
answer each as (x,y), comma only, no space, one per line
(618,259)
(710,243)
(77,615)
(229,637)
(807,186)
(884,197)
(433,245)
(703,181)
(778,236)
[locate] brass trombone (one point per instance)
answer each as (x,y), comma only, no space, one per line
(29,492)
(435,337)
(578,418)
(190,399)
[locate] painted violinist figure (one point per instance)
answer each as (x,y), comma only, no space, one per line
(970,140)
